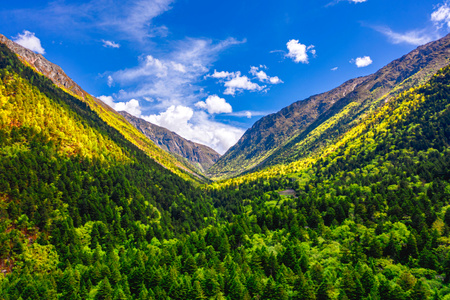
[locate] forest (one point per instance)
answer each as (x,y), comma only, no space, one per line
(85,214)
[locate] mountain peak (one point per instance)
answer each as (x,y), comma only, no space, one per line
(201,156)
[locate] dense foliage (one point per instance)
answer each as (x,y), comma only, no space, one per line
(86,215)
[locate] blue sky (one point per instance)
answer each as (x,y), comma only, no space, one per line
(209,69)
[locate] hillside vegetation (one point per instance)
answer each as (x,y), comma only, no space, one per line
(57,76)
(199,156)
(299,130)
(85,214)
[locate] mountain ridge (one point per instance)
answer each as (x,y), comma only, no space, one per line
(201,156)
(274,139)
(57,75)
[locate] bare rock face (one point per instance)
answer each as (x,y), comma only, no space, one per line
(201,156)
(43,66)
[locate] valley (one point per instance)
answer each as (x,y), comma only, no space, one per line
(343,195)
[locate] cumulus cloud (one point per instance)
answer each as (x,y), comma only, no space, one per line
(298,52)
(192,125)
(110,44)
(262,76)
(414,37)
(174,118)
(236,82)
(361,62)
(29,40)
(441,16)
(197,127)
(215,105)
(240,83)
(222,74)
(171,83)
(131,106)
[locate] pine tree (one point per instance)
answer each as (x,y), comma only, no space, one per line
(104,291)
(270,290)
(303,288)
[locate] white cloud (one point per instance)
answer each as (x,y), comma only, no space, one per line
(172,79)
(441,16)
(110,44)
(129,19)
(197,127)
(174,118)
(110,81)
(192,125)
(351,1)
(361,62)
(222,74)
(215,105)
(249,114)
(131,106)
(334,69)
(298,51)
(414,37)
(171,82)
(275,80)
(236,82)
(263,77)
(240,83)
(30,41)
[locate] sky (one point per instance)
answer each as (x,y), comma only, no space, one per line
(208,70)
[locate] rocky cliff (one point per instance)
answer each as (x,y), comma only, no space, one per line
(201,156)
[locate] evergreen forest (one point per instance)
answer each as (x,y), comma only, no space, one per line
(86,214)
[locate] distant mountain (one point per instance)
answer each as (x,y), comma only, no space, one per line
(305,126)
(53,72)
(201,156)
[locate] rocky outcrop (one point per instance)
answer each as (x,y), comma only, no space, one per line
(43,66)
(201,156)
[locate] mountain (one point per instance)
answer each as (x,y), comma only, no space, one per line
(42,66)
(200,156)
(373,204)
(305,126)
(87,214)
(70,182)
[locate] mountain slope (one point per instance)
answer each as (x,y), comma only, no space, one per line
(85,214)
(378,197)
(278,138)
(200,156)
(66,174)
(38,63)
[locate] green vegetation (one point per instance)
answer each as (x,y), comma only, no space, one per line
(305,127)
(85,214)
